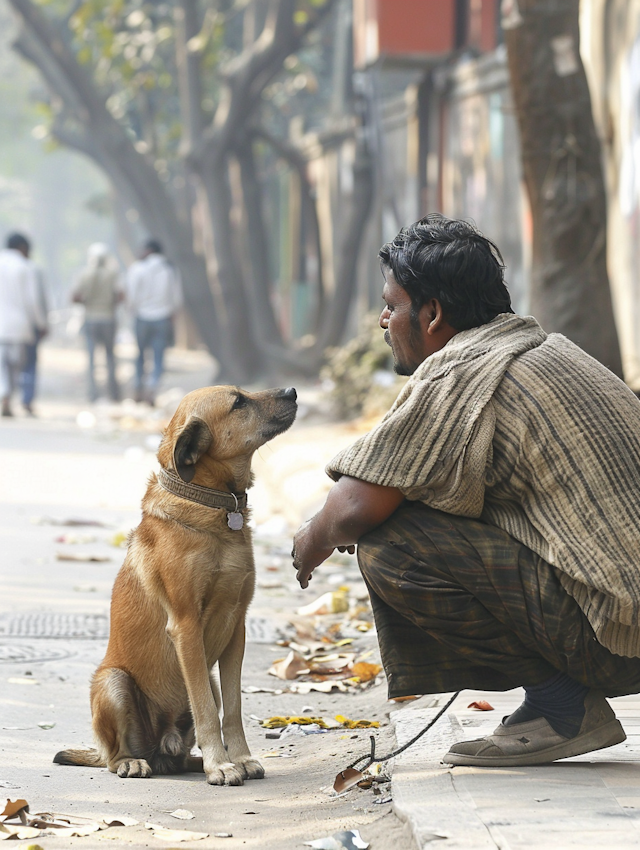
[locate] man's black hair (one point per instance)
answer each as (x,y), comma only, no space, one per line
(18,242)
(153,246)
(449,260)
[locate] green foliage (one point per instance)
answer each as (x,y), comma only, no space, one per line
(360,374)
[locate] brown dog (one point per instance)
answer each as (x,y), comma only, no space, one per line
(179,602)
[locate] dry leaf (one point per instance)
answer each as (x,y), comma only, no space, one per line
(174,834)
(347,779)
(481,705)
(356,724)
(182,814)
(123,820)
(290,667)
(18,831)
(333,602)
(322,687)
(347,840)
(79,556)
(404,699)
(365,671)
(13,808)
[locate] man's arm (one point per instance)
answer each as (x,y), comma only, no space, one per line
(353,508)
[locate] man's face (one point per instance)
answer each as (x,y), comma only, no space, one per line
(406,336)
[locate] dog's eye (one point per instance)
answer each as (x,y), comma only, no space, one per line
(240,402)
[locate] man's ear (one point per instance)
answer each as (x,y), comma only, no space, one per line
(193,441)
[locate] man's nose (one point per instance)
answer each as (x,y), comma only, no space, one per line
(383,321)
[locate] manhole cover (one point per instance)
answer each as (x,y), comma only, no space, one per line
(19,652)
(47,625)
(96,627)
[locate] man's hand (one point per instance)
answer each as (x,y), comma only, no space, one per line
(353,508)
(307,554)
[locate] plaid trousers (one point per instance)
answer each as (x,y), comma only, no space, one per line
(461,604)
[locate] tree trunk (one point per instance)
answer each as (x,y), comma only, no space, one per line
(242,361)
(562,168)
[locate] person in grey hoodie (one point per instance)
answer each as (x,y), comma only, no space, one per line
(154,295)
(98,290)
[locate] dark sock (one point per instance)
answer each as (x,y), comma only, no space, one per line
(560,700)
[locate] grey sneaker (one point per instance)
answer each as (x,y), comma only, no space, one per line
(536,742)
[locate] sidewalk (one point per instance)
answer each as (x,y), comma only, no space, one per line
(53,626)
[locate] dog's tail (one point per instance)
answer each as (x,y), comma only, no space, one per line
(81,758)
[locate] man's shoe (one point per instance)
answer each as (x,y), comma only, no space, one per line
(6,408)
(536,742)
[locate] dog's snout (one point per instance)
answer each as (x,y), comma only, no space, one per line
(290,394)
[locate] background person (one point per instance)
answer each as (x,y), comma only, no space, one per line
(23,318)
(28,376)
(154,295)
(98,291)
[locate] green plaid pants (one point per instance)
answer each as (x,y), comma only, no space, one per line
(461,604)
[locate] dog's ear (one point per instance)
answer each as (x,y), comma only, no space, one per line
(193,441)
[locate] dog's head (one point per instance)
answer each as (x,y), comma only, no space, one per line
(224,424)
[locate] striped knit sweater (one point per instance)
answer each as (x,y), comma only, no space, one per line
(528,433)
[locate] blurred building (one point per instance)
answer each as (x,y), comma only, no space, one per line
(446,135)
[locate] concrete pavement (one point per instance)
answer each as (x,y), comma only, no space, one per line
(53,621)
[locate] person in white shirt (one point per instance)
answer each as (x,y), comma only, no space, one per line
(154,295)
(23,318)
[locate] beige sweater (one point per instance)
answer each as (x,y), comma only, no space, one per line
(526,432)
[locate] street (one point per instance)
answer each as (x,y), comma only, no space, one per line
(53,627)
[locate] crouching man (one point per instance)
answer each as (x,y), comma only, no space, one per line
(496,507)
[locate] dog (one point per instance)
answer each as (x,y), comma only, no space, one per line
(180,599)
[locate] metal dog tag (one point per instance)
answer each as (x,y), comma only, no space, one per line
(235,520)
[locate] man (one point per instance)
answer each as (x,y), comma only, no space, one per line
(30,364)
(23,318)
(97,289)
(495,507)
(155,296)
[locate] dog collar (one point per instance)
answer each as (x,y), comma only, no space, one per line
(206,496)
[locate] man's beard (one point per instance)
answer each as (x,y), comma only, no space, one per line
(399,367)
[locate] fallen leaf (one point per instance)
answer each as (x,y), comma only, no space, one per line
(365,671)
(17,831)
(347,779)
(322,687)
(46,724)
(223,835)
(81,556)
(75,538)
(13,808)
(404,699)
(333,602)
(252,689)
(481,705)
(278,722)
(20,680)
(174,834)
(182,814)
(120,820)
(347,840)
(290,667)
(356,724)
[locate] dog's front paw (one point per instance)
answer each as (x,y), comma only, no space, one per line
(225,774)
(250,768)
(134,769)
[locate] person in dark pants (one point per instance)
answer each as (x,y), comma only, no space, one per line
(495,507)
(98,291)
(154,295)
(23,320)
(30,362)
